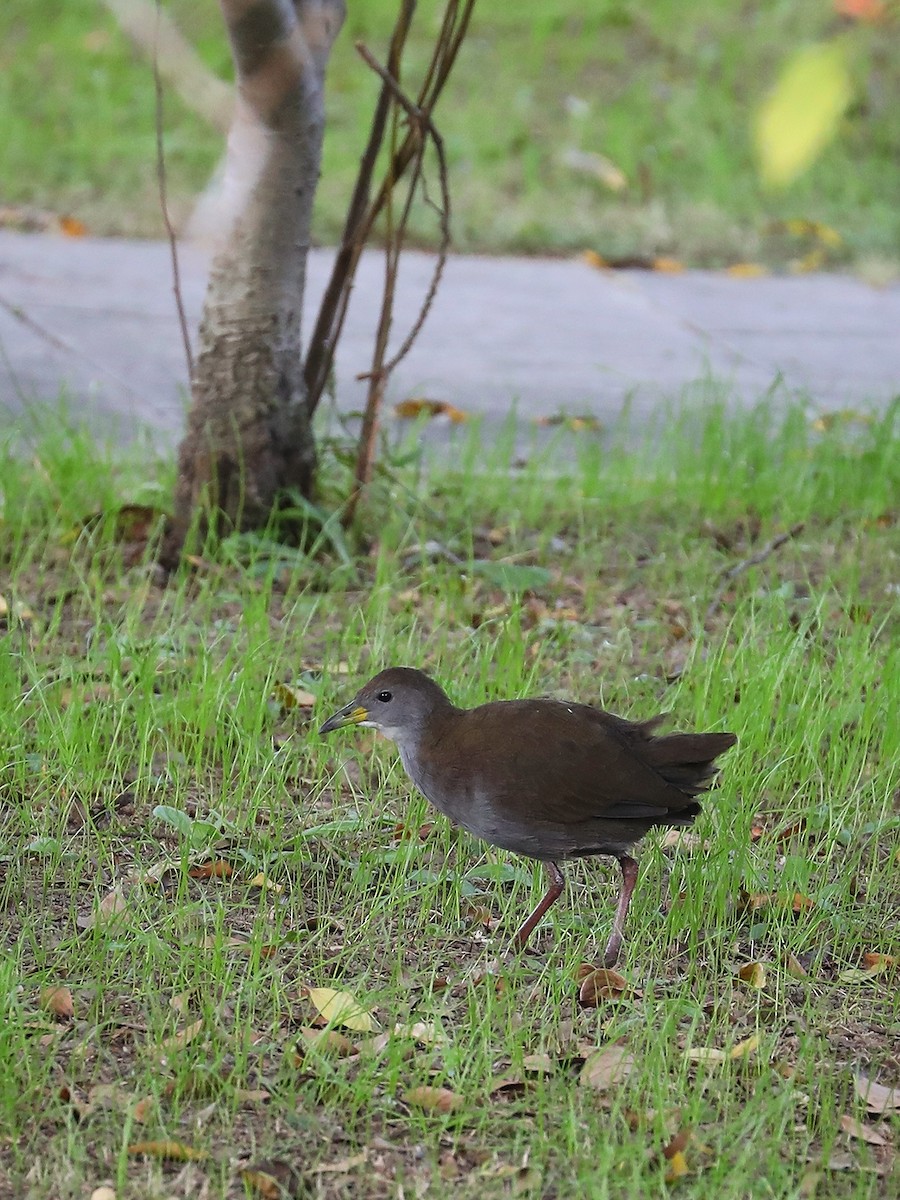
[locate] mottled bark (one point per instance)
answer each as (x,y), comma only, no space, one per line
(249,434)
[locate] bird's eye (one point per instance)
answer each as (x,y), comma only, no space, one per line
(384,697)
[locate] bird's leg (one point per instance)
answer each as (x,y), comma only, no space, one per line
(629,879)
(553,893)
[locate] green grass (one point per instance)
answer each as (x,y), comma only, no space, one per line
(119,694)
(666,91)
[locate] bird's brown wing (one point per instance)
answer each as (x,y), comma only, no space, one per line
(575,764)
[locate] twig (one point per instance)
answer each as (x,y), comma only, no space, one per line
(423,128)
(333,309)
(423,120)
(163,198)
(745,564)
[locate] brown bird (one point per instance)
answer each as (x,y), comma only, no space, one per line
(542,778)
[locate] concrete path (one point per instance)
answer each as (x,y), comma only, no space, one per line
(97,318)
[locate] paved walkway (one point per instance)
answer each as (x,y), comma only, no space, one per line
(96,317)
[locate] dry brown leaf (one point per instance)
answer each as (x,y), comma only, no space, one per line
(326,1041)
(72,227)
(434,1099)
(794,967)
(213,868)
(606,1068)
(880,962)
(417,406)
(58,1001)
(168,1149)
(111,908)
(182,1038)
(668,266)
(342,1165)
(876,1097)
(753,974)
(342,1008)
(601,984)
(538,1064)
(143,1110)
(796,902)
(263,1184)
(862,1132)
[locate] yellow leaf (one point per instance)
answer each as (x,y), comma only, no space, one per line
(178,1151)
(746,270)
(753,974)
(433,408)
(801,114)
(745,1048)
(262,881)
(676,1166)
(595,260)
(342,1008)
(292,697)
(668,266)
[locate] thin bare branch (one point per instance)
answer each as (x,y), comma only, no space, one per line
(753,560)
(164,203)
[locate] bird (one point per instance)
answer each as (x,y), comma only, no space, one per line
(543,778)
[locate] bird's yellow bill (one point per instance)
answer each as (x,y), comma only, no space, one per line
(346,716)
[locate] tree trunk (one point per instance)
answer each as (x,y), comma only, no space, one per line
(249,434)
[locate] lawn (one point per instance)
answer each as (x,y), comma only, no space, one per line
(185,864)
(665,92)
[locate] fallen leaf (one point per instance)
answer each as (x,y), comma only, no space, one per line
(434,1099)
(601,984)
(143,1109)
(861,10)
(794,966)
(408,409)
(341,1008)
(607,1067)
(745,1048)
(342,1165)
(423,1032)
(58,1001)
(217,868)
(862,1132)
(327,1041)
(104,1192)
(182,1038)
(880,962)
(753,974)
(707,1054)
(292,697)
(168,1149)
(538,1064)
(754,901)
(668,266)
(72,227)
(746,270)
(595,260)
(263,881)
(263,1184)
(111,908)
(876,1097)
(676,1167)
